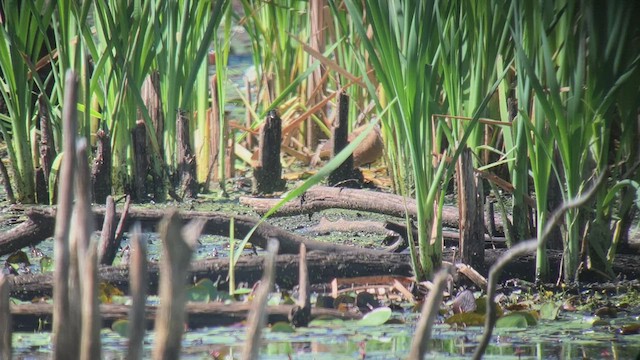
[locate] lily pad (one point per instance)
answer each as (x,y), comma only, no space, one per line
(550,310)
(282,327)
(466,319)
(518,320)
(376,317)
(121,327)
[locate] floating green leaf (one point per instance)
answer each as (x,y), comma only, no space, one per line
(376,317)
(121,327)
(513,320)
(550,310)
(282,327)
(466,319)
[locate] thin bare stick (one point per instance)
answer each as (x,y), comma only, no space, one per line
(122,222)
(87,254)
(107,234)
(522,249)
(303,288)
(91,320)
(65,345)
(5,319)
(178,246)
(301,313)
(138,284)
(420,343)
(258,316)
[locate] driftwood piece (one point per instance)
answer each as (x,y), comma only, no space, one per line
(177,248)
(62,338)
(29,317)
(319,198)
(257,315)
(5,319)
(101,168)
(186,158)
(471,206)
(267,173)
(345,175)
(138,278)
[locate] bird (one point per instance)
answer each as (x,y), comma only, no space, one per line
(368,151)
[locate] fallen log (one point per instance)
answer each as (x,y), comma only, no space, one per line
(322,268)
(29,317)
(35,229)
(319,198)
(40,224)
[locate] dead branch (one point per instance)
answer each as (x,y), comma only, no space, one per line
(27,317)
(319,198)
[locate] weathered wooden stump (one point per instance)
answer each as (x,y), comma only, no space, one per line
(345,175)
(47,152)
(471,207)
(151,97)
(101,168)
(141,161)
(186,158)
(267,173)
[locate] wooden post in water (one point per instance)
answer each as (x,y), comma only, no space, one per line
(5,319)
(177,247)
(267,173)
(186,158)
(471,208)
(47,151)
(138,283)
(345,175)
(151,97)
(140,161)
(65,338)
(101,169)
